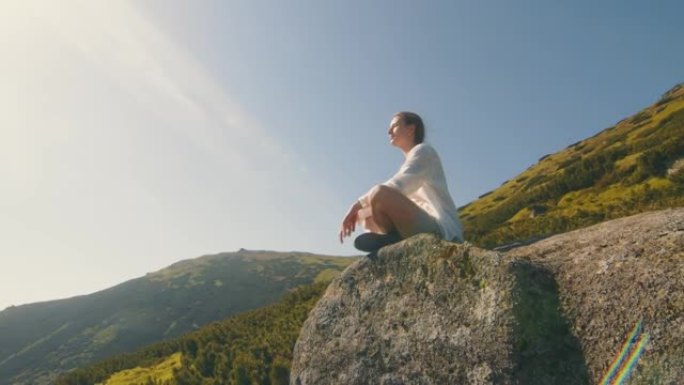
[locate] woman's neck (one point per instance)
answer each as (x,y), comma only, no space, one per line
(408,148)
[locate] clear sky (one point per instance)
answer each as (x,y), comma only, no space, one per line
(134,134)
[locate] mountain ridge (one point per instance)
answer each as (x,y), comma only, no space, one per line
(237,253)
(37,341)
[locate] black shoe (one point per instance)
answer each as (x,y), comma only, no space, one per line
(372,242)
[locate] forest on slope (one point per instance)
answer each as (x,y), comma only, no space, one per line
(252,347)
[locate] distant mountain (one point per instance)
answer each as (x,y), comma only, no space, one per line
(247,348)
(39,341)
(635,166)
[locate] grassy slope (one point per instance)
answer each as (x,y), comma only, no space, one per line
(620,171)
(38,341)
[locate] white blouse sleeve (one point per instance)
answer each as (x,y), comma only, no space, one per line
(416,170)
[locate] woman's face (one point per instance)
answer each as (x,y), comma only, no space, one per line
(400,134)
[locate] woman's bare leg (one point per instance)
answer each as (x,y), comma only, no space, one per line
(392,210)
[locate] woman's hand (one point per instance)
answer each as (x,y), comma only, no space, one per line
(349,221)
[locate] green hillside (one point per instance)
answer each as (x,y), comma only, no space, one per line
(635,166)
(39,341)
(252,347)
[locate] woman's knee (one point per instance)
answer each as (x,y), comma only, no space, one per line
(380,193)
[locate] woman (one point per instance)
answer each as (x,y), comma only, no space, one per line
(415,200)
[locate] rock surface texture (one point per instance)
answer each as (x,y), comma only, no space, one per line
(426,311)
(611,276)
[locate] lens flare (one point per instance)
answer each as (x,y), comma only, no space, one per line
(626,360)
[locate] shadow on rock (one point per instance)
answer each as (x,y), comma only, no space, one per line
(545,351)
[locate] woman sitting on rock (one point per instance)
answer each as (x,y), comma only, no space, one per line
(415,200)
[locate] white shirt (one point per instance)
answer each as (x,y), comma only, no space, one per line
(421,179)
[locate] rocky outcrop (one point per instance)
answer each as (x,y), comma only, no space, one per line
(426,311)
(611,276)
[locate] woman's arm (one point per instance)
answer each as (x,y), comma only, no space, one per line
(415,171)
(349,221)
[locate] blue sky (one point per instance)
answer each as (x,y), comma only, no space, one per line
(136,134)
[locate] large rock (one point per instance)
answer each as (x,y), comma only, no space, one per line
(426,311)
(611,276)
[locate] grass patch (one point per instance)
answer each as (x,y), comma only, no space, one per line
(106,335)
(627,162)
(158,374)
(525,213)
(326,275)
